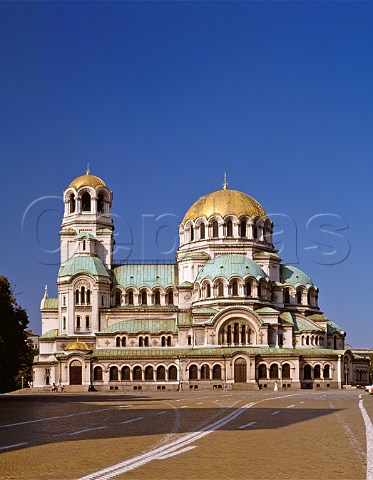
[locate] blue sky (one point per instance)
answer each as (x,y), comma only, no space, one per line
(161,98)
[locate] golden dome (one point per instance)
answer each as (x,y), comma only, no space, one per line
(225,202)
(78,345)
(87,180)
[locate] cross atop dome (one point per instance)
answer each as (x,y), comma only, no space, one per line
(225,184)
(88,170)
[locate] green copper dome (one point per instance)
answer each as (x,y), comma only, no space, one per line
(294,277)
(83,264)
(230,265)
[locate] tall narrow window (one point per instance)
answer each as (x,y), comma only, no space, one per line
(130,298)
(229,228)
(208,290)
(83,245)
(169,341)
(286,296)
(255,232)
(189,340)
(123,342)
(191,233)
(202,231)
(170,297)
(86,202)
(234,288)
(144,298)
(157,297)
(64,323)
(117,342)
(102,301)
(88,297)
(141,342)
(163,341)
(248,289)
(146,342)
(220,289)
(193,372)
(215,229)
(76,296)
(299,297)
(77,322)
(87,324)
(64,301)
(100,203)
(117,298)
(82,295)
(72,203)
(243,229)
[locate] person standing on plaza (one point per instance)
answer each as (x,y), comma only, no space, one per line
(275,388)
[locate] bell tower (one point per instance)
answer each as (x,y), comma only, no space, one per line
(87,225)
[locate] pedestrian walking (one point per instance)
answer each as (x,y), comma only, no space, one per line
(275,388)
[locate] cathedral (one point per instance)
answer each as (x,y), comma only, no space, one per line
(227,313)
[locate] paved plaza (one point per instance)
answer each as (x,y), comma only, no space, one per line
(187,435)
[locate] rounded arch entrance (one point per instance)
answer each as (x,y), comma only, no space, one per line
(75,370)
(240,370)
(237,326)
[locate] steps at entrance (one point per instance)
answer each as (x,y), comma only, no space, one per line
(244,386)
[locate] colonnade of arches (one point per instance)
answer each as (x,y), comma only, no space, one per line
(142,341)
(87,201)
(236,332)
(235,287)
(300,296)
(144,296)
(312,340)
(229,227)
(137,373)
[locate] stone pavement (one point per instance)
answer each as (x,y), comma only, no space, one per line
(185,435)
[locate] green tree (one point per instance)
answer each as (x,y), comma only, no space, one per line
(16,350)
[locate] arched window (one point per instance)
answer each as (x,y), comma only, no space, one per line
(126,374)
(317,371)
(193,372)
(208,290)
(123,342)
(229,228)
(229,334)
(169,341)
(191,233)
(161,373)
(76,296)
(72,203)
(78,322)
(146,342)
(83,245)
(157,297)
(255,232)
(205,372)
(243,229)
(215,229)
(117,342)
(163,341)
(130,298)
(82,295)
(117,298)
(248,289)
(137,374)
(88,297)
(286,370)
(64,323)
(262,371)
(216,372)
(307,372)
(236,333)
(149,374)
(327,371)
(309,298)
(299,297)
(286,296)
(189,340)
(273,371)
(260,290)
(141,342)
(234,288)
(170,297)
(113,374)
(172,373)
(220,289)
(86,202)
(144,298)
(202,231)
(100,203)
(87,322)
(243,334)
(335,342)
(97,373)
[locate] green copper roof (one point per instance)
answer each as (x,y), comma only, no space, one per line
(218,352)
(83,264)
(147,275)
(302,324)
(333,328)
(266,310)
(195,256)
(230,265)
(205,310)
(132,326)
(294,277)
(50,334)
(184,319)
(317,317)
(85,234)
(51,304)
